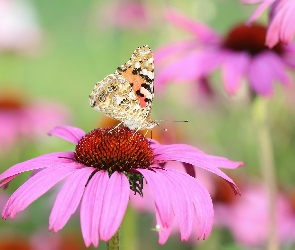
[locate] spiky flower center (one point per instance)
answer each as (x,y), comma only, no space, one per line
(114,149)
(9,102)
(250,39)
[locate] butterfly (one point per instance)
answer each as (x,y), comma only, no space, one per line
(127,95)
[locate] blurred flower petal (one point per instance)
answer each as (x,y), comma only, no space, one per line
(69,133)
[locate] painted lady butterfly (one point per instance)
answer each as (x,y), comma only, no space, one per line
(127,95)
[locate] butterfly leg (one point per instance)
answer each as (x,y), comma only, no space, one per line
(135,131)
(115,127)
(146,133)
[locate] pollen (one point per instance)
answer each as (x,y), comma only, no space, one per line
(114,149)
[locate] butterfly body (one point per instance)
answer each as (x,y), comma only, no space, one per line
(127,95)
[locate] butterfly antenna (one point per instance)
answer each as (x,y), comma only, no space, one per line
(165,129)
(169,121)
(115,127)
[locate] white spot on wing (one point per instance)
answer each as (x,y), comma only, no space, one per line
(151,75)
(144,72)
(146,93)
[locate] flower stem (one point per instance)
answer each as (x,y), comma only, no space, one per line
(114,242)
(267,166)
(129,231)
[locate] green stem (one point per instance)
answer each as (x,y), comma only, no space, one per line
(114,242)
(129,230)
(267,166)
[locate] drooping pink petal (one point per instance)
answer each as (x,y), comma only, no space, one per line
(194,157)
(69,198)
(260,9)
(184,69)
(186,195)
(115,202)
(6,181)
(274,28)
(91,207)
(47,160)
(262,75)
(289,55)
(288,24)
(282,23)
(69,133)
(201,31)
(164,230)
(162,197)
(171,50)
(193,65)
(181,201)
(162,150)
(199,196)
(222,162)
(233,69)
(260,79)
(34,188)
(278,68)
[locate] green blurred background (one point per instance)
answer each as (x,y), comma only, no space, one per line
(79,48)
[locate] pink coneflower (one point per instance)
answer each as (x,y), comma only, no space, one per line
(20,118)
(15,243)
(106,165)
(44,240)
(39,241)
(19,29)
(249,211)
(281,19)
(125,14)
(240,54)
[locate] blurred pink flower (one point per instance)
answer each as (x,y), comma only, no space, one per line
(19,119)
(44,240)
(14,240)
(237,56)
(19,29)
(106,164)
(247,220)
(124,14)
(281,19)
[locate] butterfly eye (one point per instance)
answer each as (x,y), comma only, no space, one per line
(101,98)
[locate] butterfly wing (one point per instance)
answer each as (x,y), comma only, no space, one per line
(139,72)
(114,97)
(127,94)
